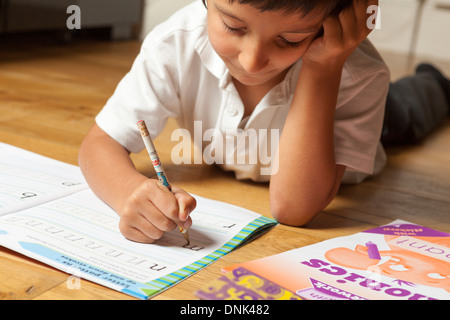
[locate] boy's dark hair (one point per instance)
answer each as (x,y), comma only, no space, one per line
(304,7)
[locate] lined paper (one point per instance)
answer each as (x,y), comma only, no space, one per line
(78,233)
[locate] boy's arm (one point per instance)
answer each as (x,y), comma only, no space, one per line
(146,208)
(308,177)
(108,168)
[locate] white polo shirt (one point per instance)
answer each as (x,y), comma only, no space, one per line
(178,74)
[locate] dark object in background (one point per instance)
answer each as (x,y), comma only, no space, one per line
(121,17)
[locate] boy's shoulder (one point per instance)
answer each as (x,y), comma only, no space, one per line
(366,62)
(187,19)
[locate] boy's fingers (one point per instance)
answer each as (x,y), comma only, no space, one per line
(355,21)
(156,220)
(163,199)
(188,223)
(332,32)
(186,203)
(153,210)
(135,234)
(155,228)
(175,204)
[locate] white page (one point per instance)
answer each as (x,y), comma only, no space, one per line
(84,230)
(48,212)
(27,179)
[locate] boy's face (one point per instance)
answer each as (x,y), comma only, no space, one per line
(259,47)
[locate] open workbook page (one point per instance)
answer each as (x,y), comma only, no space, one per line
(76,232)
(27,179)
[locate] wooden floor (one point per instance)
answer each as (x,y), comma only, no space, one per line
(50,94)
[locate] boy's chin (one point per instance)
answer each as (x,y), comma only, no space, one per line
(254,80)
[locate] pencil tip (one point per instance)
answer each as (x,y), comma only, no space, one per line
(185,235)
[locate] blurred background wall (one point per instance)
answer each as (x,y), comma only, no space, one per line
(412,27)
(122,17)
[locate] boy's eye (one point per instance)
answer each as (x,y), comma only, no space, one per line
(284,42)
(288,43)
(233,30)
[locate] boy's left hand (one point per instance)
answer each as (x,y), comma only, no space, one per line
(341,35)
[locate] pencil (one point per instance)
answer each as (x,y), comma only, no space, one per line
(157,164)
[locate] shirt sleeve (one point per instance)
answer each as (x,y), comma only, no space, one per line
(359,115)
(149,91)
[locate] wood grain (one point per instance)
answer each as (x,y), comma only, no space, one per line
(49,96)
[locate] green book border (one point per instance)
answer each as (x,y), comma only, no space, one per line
(252,230)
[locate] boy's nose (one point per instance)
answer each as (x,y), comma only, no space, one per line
(253,56)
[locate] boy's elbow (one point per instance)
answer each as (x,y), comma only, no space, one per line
(301,206)
(292,214)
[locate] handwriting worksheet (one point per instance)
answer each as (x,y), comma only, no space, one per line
(27,179)
(50,214)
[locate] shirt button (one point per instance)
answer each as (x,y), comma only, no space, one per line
(232,111)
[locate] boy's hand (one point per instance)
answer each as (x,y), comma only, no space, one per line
(341,36)
(151,210)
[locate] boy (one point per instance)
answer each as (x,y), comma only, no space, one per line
(301,68)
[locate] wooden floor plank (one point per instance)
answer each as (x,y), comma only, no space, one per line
(50,94)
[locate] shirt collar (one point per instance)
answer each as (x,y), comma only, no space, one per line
(211,60)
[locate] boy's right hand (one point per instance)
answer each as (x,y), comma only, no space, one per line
(151,210)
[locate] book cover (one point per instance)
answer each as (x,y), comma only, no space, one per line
(242,284)
(401,261)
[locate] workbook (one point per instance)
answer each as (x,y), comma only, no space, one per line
(398,261)
(48,213)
